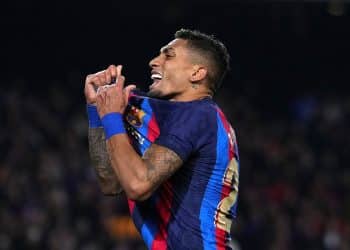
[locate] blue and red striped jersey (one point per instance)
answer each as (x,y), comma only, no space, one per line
(195,207)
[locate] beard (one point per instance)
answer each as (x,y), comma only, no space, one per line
(154,93)
(159,95)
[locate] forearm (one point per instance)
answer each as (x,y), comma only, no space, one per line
(140,177)
(130,168)
(100,160)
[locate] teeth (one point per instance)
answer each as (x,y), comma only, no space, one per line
(156,76)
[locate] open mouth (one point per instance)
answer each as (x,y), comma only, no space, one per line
(156,77)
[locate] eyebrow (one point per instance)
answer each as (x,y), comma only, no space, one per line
(166,49)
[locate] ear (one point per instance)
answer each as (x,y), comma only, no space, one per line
(199,73)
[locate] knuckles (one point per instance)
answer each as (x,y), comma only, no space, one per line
(106,94)
(100,77)
(112,68)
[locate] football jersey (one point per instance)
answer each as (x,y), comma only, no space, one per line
(195,207)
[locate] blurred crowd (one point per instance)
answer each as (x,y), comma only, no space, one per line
(293,184)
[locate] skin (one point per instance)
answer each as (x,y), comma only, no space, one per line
(100,160)
(183,79)
(108,181)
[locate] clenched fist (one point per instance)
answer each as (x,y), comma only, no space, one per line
(105,77)
(113,98)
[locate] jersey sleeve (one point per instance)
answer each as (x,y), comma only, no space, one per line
(182,132)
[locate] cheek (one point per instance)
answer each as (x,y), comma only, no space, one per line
(173,82)
(176,76)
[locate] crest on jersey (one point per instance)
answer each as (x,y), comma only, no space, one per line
(135,116)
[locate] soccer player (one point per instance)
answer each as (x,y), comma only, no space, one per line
(172,152)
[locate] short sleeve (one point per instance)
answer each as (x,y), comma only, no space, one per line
(182,132)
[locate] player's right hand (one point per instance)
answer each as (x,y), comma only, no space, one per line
(99,79)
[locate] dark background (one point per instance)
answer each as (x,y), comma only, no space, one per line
(286,97)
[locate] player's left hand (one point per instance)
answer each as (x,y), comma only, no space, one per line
(113,98)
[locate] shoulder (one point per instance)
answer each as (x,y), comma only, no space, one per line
(195,111)
(191,120)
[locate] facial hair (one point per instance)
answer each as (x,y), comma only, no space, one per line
(158,94)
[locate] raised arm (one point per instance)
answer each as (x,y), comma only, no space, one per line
(139,177)
(97,145)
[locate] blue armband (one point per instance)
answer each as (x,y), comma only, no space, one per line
(94,119)
(113,124)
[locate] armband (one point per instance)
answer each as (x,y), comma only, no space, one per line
(113,124)
(94,119)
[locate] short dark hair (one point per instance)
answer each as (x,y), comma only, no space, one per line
(213,50)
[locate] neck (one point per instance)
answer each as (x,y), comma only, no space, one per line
(191,96)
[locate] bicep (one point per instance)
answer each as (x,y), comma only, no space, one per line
(161,163)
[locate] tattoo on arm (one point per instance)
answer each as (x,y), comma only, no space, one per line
(100,160)
(161,163)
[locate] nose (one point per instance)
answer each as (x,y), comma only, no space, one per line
(154,62)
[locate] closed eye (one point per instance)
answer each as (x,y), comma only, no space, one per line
(168,52)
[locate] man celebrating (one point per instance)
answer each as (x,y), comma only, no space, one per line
(172,152)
